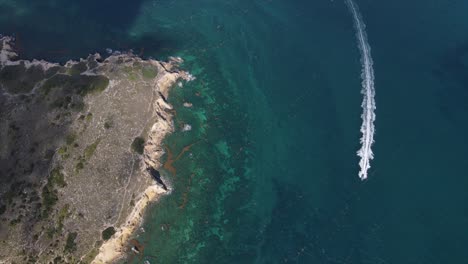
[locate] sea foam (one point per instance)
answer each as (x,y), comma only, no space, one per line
(368,92)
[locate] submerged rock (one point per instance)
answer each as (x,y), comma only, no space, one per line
(186,127)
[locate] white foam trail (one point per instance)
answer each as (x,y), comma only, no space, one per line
(368,92)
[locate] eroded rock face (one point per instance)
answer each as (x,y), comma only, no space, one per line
(67,167)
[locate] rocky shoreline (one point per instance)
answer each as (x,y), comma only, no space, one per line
(114,248)
(81,152)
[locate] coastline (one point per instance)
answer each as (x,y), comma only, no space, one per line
(159,114)
(114,248)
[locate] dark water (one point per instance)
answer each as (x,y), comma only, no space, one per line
(269,174)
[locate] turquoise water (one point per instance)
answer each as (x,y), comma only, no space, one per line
(271,172)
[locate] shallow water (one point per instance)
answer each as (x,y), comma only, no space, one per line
(269,173)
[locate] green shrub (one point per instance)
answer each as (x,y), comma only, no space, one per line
(15,221)
(64,212)
(61,102)
(70,244)
(108,233)
(107,124)
(89,150)
(77,106)
(51,232)
(79,166)
(58,260)
(62,150)
(57,178)
(49,193)
(49,199)
(70,138)
(89,116)
(138,145)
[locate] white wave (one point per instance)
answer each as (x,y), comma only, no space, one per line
(6,52)
(368,92)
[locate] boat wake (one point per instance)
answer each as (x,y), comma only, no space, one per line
(368,92)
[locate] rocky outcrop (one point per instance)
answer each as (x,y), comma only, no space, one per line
(69,165)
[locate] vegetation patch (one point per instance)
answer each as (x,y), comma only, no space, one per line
(68,102)
(92,64)
(149,72)
(70,245)
(78,84)
(2,209)
(93,253)
(89,150)
(108,124)
(138,145)
(90,256)
(77,69)
(88,153)
(89,116)
(63,214)
(108,233)
(18,79)
(49,191)
(49,154)
(61,102)
(49,199)
(57,178)
(132,201)
(70,138)
(58,260)
(55,81)
(95,84)
(50,232)
(77,105)
(63,152)
(130,71)
(16,221)
(137,65)
(8,196)
(80,165)
(52,71)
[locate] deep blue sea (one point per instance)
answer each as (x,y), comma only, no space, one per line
(269,172)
